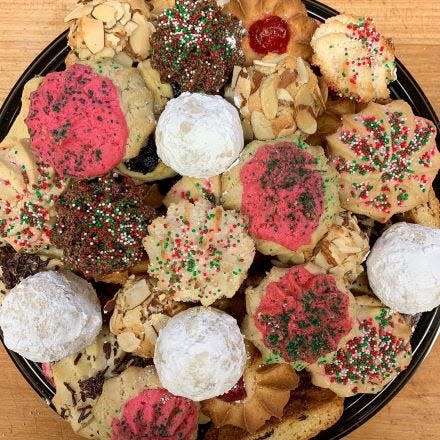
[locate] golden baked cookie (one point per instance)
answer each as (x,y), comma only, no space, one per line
(193,189)
(354,58)
(199,252)
(298,315)
(276,96)
(387,160)
(288,192)
(373,357)
(262,393)
(139,314)
(310,410)
(427,214)
(273,26)
(117,29)
(343,249)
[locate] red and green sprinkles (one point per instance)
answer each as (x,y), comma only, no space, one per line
(389,158)
(199,252)
(370,359)
(101,224)
(196,46)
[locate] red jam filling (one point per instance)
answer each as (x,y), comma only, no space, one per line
(303,316)
(270,34)
(237,392)
(283,194)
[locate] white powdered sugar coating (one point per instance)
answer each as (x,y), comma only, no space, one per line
(50,315)
(200,353)
(199,135)
(404,268)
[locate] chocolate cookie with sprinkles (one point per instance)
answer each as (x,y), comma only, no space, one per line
(387,160)
(378,352)
(196,45)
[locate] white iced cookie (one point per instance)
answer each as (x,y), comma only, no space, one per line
(50,315)
(200,353)
(199,135)
(404,268)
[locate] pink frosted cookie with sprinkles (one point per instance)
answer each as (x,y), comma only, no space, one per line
(378,352)
(355,59)
(387,159)
(199,252)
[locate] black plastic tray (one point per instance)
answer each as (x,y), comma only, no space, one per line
(358,409)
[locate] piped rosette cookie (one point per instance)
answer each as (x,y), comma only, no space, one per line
(276,96)
(199,252)
(260,394)
(139,314)
(298,315)
(354,58)
(377,352)
(101,224)
(70,107)
(273,26)
(387,160)
(288,192)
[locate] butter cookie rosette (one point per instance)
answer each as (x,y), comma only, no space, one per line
(298,315)
(262,393)
(273,26)
(377,352)
(288,192)
(276,96)
(387,160)
(139,314)
(199,252)
(354,58)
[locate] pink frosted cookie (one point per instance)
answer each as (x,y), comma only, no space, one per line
(76,123)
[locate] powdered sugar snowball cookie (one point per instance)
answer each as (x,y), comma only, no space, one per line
(199,252)
(50,315)
(199,135)
(404,268)
(200,354)
(354,58)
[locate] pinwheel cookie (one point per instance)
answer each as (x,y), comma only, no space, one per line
(273,26)
(379,350)
(262,393)
(298,315)
(355,59)
(288,192)
(199,252)
(387,159)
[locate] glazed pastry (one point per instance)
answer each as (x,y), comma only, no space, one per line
(199,135)
(200,353)
(373,357)
(199,252)
(354,58)
(298,315)
(78,379)
(50,315)
(288,192)
(427,214)
(343,249)
(404,268)
(309,411)
(101,224)
(204,59)
(139,313)
(64,137)
(108,29)
(273,26)
(192,189)
(262,393)
(387,160)
(276,96)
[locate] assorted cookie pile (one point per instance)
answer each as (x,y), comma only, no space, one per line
(216,214)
